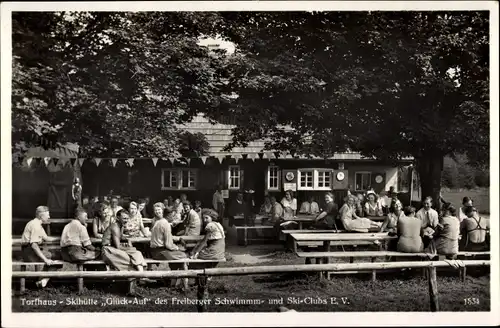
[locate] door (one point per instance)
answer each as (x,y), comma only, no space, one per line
(59,196)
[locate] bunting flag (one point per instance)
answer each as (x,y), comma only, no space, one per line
(97,161)
(55,161)
(114,161)
(172,160)
(220,159)
(130,162)
(63,162)
(46,160)
(204,159)
(188,160)
(155,160)
(237,158)
(270,155)
(80,161)
(29,160)
(264,156)
(251,157)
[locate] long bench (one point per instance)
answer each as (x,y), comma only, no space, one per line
(320,256)
(81,267)
(335,239)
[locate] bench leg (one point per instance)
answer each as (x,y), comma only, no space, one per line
(464,273)
(202,293)
(22,281)
(374,272)
(185,281)
(80,280)
(245,236)
(131,286)
(351,259)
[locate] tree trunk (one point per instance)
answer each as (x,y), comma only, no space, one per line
(430,168)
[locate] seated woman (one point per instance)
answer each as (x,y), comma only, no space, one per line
(410,211)
(134,227)
(158,210)
(351,221)
(391,222)
(289,205)
(474,231)
(197,207)
(466,202)
(359,205)
(372,206)
(102,221)
(267,207)
(191,223)
(116,252)
(275,217)
(213,246)
(447,234)
(326,219)
(409,230)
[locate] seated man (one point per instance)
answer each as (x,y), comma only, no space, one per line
(429,220)
(238,207)
(474,231)
(75,241)
(309,207)
(31,240)
(191,224)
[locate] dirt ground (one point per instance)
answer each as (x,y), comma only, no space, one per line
(399,291)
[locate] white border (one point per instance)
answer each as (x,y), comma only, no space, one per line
(241,319)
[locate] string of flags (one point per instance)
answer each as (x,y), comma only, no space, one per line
(113,162)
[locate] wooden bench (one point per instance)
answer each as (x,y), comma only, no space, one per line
(320,256)
(81,267)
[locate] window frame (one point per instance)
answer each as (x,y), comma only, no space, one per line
(355,179)
(229,177)
(316,179)
(315,176)
(278,178)
(179,172)
(299,176)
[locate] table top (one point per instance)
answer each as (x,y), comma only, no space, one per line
(67,220)
(53,240)
(377,218)
(340,236)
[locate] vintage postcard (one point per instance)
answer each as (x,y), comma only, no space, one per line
(249,163)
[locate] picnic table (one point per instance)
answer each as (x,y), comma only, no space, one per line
(330,239)
(303,218)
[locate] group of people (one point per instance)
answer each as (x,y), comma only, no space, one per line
(115,226)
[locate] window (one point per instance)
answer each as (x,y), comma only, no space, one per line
(234,177)
(306,179)
(362,181)
(324,179)
(315,179)
(273,178)
(178,179)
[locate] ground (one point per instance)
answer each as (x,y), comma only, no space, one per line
(407,291)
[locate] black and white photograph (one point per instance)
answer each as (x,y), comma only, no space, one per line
(249,157)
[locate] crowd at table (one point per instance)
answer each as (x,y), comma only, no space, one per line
(426,229)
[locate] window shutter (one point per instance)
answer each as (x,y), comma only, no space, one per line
(224,180)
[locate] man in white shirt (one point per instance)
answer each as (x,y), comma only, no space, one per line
(429,219)
(309,207)
(75,241)
(218,202)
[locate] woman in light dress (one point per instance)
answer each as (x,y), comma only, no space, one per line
(102,221)
(267,207)
(351,221)
(390,224)
(213,246)
(372,206)
(409,230)
(134,227)
(289,205)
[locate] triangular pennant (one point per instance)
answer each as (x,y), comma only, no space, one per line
(155,160)
(63,162)
(264,156)
(220,159)
(80,161)
(46,160)
(188,160)
(130,162)
(172,160)
(55,161)
(29,160)
(237,158)
(97,161)
(114,161)
(204,159)
(270,155)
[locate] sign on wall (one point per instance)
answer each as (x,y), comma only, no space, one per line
(290,186)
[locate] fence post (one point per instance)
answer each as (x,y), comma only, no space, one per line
(22,281)
(202,293)
(80,280)
(433,290)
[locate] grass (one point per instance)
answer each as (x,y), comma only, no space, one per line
(396,292)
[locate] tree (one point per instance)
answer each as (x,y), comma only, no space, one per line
(386,84)
(117,84)
(193,144)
